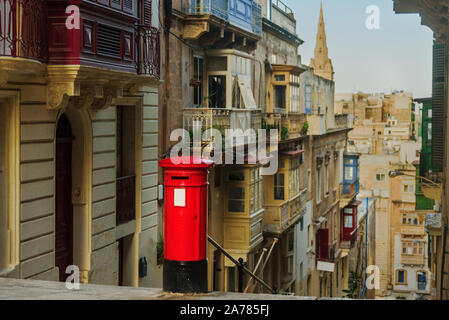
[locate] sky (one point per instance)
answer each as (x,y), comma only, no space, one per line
(397,56)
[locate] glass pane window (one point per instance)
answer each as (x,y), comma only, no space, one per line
(217,92)
(401,276)
(236,199)
(348,223)
(236,176)
(279,186)
(198,78)
(280,97)
(349,173)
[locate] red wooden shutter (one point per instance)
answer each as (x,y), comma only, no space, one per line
(322,244)
(147,12)
(354,220)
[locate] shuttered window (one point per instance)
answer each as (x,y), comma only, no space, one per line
(147,12)
(109,41)
(322,245)
(124,5)
(439,101)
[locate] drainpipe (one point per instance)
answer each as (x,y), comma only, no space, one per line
(366,245)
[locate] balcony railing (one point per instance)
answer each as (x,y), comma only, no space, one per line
(126,199)
(283,7)
(23,29)
(276,218)
(149,62)
(218,8)
(413,230)
(222,119)
(412,259)
(246,14)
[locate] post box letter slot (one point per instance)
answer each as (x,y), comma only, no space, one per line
(180,178)
(179,197)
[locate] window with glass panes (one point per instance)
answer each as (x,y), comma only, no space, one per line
(236,191)
(236,199)
(279,186)
(294,176)
(256,191)
(308,98)
(280,91)
(198,63)
(294,93)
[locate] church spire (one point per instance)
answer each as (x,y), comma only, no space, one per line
(321,62)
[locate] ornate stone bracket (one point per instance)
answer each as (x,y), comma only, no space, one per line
(62,85)
(109,94)
(85,100)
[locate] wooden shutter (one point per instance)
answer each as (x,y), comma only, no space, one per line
(147,12)
(439,102)
(322,244)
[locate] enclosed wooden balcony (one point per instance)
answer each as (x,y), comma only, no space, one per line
(221,23)
(23,25)
(122,35)
(413,259)
(413,230)
(290,126)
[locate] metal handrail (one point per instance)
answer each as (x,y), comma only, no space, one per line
(241,267)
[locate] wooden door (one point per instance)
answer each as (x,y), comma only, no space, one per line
(64,207)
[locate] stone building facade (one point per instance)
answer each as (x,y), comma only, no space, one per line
(79,146)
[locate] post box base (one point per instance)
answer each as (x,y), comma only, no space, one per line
(185,276)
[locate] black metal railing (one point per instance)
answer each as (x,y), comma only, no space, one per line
(241,269)
(149,60)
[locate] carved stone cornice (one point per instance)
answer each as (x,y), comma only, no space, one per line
(62,84)
(84,100)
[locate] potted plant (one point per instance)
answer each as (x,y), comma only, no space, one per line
(194,83)
(305,128)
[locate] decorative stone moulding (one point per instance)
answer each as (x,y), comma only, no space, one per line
(62,84)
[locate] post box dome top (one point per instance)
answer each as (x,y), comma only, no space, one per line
(186,163)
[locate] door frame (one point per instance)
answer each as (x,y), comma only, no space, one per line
(81,125)
(11,101)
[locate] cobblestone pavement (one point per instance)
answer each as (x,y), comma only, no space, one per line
(14,289)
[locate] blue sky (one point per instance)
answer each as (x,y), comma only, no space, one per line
(398,56)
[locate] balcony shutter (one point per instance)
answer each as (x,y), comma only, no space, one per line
(322,244)
(147,12)
(109,41)
(439,101)
(128,5)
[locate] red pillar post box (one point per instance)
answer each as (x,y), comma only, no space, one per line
(185,224)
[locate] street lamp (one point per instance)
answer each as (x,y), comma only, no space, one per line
(397,173)
(431,189)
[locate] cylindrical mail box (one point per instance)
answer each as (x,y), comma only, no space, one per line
(185,224)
